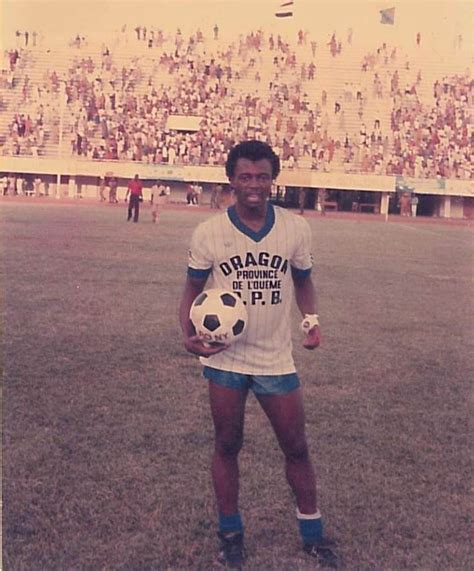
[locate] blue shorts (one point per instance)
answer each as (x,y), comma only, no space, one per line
(259,384)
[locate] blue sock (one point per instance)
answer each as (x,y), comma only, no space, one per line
(311,529)
(230,523)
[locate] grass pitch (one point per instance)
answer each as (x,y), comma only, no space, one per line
(107,436)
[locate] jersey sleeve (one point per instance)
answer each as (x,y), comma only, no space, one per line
(199,258)
(302,260)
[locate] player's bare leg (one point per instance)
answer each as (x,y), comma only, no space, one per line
(286,414)
(227,408)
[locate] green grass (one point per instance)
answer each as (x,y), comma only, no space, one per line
(107,435)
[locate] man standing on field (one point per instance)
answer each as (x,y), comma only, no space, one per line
(414,204)
(158,198)
(263,253)
(135,189)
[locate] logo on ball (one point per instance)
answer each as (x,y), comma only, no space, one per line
(219,316)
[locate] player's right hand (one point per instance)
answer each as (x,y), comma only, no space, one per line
(196,346)
(313,338)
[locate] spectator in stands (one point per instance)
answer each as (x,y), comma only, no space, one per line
(14,56)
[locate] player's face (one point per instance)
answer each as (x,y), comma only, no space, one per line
(252,182)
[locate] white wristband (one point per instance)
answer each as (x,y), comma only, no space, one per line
(309,321)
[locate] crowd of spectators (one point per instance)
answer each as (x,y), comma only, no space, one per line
(34,117)
(436,140)
(259,85)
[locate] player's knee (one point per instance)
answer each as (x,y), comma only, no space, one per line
(228,444)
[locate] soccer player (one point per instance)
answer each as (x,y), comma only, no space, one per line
(262,252)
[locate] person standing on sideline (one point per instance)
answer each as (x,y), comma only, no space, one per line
(135,190)
(157,199)
(405,204)
(113,184)
(301,199)
(101,186)
(414,204)
(37,186)
(197,194)
(190,194)
(322,201)
(5,185)
(216,195)
(253,232)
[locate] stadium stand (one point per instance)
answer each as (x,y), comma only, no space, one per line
(334,108)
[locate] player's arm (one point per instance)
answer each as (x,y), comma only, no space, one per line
(192,342)
(306,300)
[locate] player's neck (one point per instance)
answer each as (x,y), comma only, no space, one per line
(253,217)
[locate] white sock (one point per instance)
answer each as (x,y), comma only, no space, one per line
(316,515)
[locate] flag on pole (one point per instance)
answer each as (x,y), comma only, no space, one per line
(387,16)
(285,10)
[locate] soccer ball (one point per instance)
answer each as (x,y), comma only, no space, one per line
(219,316)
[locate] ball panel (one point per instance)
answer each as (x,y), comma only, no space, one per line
(211,322)
(238,327)
(201,298)
(229,300)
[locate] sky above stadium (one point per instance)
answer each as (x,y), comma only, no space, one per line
(65,18)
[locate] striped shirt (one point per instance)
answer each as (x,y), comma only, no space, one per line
(258,266)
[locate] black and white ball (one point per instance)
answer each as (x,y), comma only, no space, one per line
(219,316)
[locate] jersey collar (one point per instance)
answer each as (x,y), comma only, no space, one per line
(264,230)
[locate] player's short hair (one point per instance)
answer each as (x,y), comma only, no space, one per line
(253,151)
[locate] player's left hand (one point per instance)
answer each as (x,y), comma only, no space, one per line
(313,338)
(195,345)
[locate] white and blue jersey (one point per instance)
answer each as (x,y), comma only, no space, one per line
(258,266)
